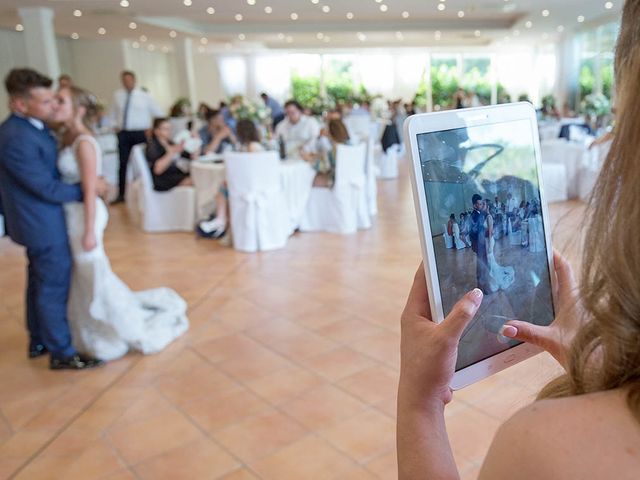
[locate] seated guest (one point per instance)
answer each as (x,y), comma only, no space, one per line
(324,158)
(464,229)
(162,156)
(296,130)
(248,137)
(216,135)
(248,141)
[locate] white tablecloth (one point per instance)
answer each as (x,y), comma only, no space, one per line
(570,155)
(297,179)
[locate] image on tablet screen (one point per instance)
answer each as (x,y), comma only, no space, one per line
(485,213)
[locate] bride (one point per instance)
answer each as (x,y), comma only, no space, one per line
(107,319)
(499,278)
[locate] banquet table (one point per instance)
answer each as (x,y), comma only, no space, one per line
(296,176)
(569,154)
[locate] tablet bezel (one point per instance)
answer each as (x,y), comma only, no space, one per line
(452,119)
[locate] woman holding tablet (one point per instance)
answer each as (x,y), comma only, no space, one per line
(586,423)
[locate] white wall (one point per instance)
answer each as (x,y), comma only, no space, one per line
(208,84)
(12,54)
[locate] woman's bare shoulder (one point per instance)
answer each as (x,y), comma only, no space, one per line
(587,436)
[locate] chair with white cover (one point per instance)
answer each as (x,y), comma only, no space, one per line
(389,162)
(448,239)
(515,238)
(336,209)
(592,163)
(173,210)
(536,235)
(370,170)
(459,244)
(259,215)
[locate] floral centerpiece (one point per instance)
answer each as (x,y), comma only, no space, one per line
(596,106)
(242,109)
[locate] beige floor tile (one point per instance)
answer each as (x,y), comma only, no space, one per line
(153,436)
(471,432)
(385,466)
(363,437)
(223,410)
(284,385)
(310,458)
(260,435)
(349,330)
(199,460)
(203,381)
(371,385)
(338,363)
(242,474)
(323,407)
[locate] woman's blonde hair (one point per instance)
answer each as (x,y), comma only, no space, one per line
(83,98)
(605,353)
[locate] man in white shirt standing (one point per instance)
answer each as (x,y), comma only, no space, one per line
(133,112)
(296,130)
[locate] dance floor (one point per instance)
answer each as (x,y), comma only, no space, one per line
(289,370)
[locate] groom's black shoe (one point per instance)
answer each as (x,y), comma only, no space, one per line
(37,350)
(75,362)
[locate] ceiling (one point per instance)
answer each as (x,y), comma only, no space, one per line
(319,24)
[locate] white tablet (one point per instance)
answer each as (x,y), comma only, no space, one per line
(483,220)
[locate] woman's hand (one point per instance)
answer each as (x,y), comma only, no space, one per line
(428,350)
(557,337)
(89,241)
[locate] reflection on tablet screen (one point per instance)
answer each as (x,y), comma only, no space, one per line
(481,185)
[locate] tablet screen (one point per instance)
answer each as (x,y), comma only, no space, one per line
(481,186)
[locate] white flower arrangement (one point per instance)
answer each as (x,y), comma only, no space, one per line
(596,105)
(243,109)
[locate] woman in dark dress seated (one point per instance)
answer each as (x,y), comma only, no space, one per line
(161,157)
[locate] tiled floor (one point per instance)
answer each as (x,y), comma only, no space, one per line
(289,370)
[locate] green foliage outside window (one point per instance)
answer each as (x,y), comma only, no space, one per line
(587,78)
(306,90)
(444,83)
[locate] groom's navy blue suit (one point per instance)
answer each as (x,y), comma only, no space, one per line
(32,195)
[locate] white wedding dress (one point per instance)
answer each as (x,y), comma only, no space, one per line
(500,278)
(106,318)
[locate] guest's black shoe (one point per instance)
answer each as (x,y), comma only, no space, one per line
(75,362)
(37,350)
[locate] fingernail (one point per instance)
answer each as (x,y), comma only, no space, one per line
(476,296)
(509,331)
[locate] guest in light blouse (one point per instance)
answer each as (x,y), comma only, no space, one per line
(297,130)
(323,159)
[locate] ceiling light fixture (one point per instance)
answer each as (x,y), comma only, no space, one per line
(580,18)
(75,36)
(560,28)
(143,38)
(545,13)
(134,44)
(151,47)
(19,27)
(460,13)
(477,33)
(268,9)
(405,14)
(399,36)
(349,15)
(437,34)
(211,10)
(133,25)
(251,2)
(326,8)
(238,17)
(173,34)
(77,13)
(124,3)
(187,3)
(383,8)
(319,35)
(528,24)
(102,31)
(281,36)
(315,2)
(441,7)
(608,5)
(241,36)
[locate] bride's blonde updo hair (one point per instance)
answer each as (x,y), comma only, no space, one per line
(83,98)
(605,354)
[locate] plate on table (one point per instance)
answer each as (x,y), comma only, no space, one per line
(211,158)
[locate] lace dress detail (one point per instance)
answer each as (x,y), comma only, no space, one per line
(107,319)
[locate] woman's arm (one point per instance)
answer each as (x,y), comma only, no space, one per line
(161,164)
(87,160)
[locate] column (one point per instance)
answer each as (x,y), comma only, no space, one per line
(40,40)
(252,84)
(186,72)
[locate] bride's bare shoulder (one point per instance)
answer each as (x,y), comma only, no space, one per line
(588,436)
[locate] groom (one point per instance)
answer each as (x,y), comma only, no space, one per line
(32,196)
(479,241)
